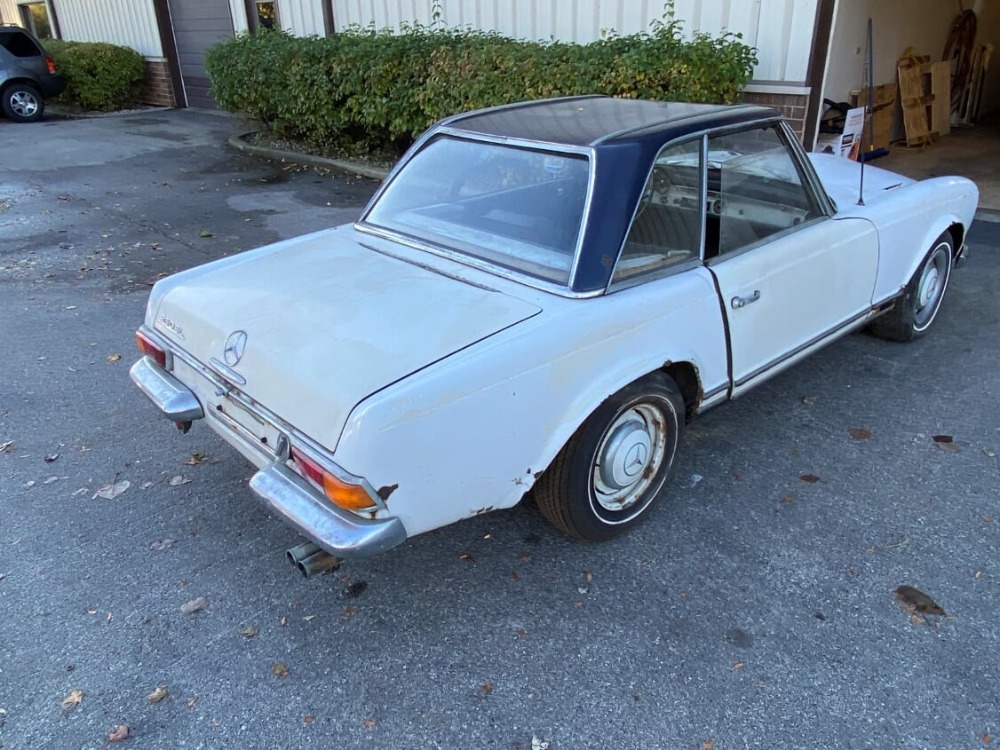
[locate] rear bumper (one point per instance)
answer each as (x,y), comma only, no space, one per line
(292,498)
(51,85)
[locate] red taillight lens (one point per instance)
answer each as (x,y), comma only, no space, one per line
(150,349)
(310,469)
(51,63)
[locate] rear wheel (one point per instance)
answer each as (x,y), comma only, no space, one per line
(918,307)
(607,476)
(23,103)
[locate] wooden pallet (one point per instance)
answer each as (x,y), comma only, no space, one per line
(915,101)
(883,108)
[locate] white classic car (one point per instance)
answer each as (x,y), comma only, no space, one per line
(538,298)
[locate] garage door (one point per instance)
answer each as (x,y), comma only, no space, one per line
(198,24)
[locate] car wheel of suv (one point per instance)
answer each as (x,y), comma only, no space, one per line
(23,103)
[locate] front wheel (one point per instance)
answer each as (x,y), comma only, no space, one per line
(609,473)
(23,103)
(913,313)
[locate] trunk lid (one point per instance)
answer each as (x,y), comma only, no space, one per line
(328,322)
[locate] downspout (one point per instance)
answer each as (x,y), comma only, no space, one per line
(816,77)
(166,28)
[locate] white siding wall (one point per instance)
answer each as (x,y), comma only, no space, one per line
(301,17)
(128,22)
(8,12)
(781,29)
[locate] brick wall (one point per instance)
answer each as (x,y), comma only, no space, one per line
(159,87)
(792,106)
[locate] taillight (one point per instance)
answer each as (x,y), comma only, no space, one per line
(150,349)
(347,495)
(51,63)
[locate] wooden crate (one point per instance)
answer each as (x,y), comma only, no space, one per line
(914,100)
(883,111)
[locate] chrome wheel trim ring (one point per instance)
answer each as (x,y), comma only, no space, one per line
(931,286)
(629,458)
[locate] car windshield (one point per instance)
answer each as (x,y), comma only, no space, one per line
(519,208)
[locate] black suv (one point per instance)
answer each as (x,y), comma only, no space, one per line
(27,75)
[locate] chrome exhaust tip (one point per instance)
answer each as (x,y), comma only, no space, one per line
(310,560)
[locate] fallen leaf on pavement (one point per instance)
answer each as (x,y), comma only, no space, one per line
(349,612)
(788,499)
(6,446)
(988,453)
(51,457)
(368,722)
(708,745)
(809,400)
(915,599)
(111,491)
(739,665)
(279,670)
(809,478)
(249,631)
(946,443)
(195,459)
(309,618)
(283,621)
(119,733)
(191,703)
(515,576)
(161,544)
(467,558)
(308,719)
(178,481)
(75,698)
(943,439)
(356,589)
(485,689)
(588,575)
(860,433)
(195,605)
(114,357)
(157,695)
(205,233)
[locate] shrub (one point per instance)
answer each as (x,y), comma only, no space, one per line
(380,89)
(99,76)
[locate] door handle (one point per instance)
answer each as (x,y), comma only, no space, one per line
(738,302)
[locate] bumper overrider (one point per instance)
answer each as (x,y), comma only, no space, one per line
(303,507)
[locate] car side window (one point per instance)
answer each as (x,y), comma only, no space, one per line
(19,44)
(666,229)
(755,190)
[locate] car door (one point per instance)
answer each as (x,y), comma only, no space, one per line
(791,277)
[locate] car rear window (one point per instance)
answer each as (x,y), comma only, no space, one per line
(19,44)
(514,207)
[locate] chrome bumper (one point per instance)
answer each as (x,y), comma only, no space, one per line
(339,532)
(174,400)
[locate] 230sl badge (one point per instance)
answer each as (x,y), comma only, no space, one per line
(172,327)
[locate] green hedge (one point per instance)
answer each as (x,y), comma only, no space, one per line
(379,89)
(99,76)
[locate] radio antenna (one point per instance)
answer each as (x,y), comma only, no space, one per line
(863,152)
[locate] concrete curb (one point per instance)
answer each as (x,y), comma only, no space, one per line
(988,214)
(344,165)
(60,111)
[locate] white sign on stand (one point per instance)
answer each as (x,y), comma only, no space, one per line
(854,127)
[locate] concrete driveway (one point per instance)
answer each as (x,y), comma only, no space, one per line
(755,609)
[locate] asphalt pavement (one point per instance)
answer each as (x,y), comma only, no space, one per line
(756,608)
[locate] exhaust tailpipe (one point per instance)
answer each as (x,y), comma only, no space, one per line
(310,560)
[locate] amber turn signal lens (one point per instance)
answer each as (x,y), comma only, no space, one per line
(347,496)
(344,494)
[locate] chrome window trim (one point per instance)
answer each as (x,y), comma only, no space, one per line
(589,153)
(806,169)
(472,262)
(712,262)
(291,433)
(613,285)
